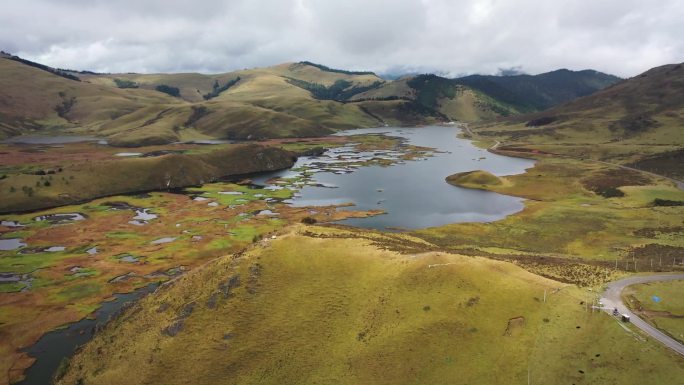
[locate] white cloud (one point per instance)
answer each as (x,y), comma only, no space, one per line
(623,37)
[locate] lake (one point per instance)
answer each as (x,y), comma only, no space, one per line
(414,193)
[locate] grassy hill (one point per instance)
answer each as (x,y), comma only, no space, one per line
(287,100)
(133,110)
(639,121)
(325,305)
(478,179)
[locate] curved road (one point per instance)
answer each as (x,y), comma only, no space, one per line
(611,299)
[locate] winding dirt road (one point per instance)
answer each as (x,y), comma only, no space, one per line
(611,299)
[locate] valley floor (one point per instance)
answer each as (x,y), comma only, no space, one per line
(321,304)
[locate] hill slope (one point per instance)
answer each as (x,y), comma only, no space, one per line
(134,110)
(287,100)
(479,97)
(637,121)
(539,92)
(324,305)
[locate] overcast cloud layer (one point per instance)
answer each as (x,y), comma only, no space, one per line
(452,37)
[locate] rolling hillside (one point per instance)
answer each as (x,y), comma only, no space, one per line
(324,305)
(639,121)
(287,100)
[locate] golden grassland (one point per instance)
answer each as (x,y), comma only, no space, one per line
(667,314)
(320,305)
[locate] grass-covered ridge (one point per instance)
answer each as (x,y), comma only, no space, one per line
(324,305)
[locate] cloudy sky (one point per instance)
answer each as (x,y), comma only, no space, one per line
(451,37)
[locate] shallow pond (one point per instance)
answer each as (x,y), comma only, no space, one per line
(60,218)
(11,224)
(163,240)
(142,217)
(11,244)
(413,193)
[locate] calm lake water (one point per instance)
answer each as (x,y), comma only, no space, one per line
(415,194)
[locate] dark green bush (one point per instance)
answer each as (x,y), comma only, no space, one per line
(123,83)
(173,91)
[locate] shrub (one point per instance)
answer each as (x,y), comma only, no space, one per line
(328,69)
(541,121)
(123,83)
(309,220)
(173,91)
(198,112)
(667,202)
(65,107)
(341,90)
(611,192)
(218,88)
